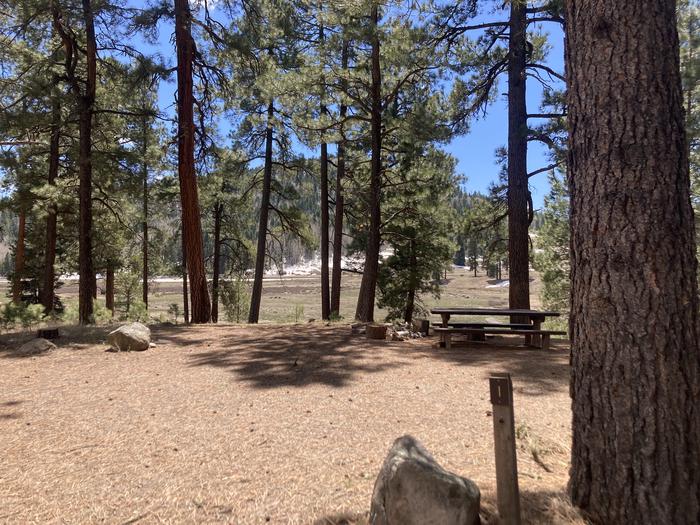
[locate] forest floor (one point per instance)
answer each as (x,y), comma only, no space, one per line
(266,424)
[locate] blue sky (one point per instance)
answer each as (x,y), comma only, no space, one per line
(475,152)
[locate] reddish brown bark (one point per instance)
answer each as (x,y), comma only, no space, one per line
(518,245)
(634,314)
(191,222)
(368,286)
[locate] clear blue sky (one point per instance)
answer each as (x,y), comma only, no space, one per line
(475,152)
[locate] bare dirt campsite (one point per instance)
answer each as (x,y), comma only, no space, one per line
(283,423)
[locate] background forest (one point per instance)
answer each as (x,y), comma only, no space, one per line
(299,130)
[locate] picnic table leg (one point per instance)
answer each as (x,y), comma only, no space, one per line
(445,324)
(445,320)
(536,339)
(545,342)
(448,341)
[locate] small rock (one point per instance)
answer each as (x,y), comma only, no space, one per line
(36,346)
(133,336)
(151,345)
(412,489)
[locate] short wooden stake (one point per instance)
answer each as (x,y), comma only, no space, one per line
(508,493)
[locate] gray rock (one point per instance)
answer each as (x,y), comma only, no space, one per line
(36,346)
(412,489)
(133,336)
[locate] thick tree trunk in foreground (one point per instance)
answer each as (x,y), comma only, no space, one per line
(49,277)
(518,245)
(109,289)
(87,287)
(634,314)
(19,257)
(339,202)
(218,212)
(191,223)
(368,286)
(256,294)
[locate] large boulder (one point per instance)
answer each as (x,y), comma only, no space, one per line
(36,347)
(412,489)
(133,336)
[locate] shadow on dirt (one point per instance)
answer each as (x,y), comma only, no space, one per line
(281,356)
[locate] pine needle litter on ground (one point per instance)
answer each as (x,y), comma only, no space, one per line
(267,424)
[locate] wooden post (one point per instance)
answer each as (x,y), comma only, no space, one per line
(504,440)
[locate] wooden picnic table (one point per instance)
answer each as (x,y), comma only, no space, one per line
(535,317)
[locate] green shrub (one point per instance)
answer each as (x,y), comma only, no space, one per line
(235,299)
(138,312)
(174,310)
(100,314)
(298,313)
(25,315)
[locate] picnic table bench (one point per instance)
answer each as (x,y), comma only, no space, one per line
(532,330)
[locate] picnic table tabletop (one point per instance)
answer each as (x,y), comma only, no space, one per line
(492,311)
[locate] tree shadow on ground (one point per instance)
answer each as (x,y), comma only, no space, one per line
(283,356)
(70,336)
(535,372)
(181,335)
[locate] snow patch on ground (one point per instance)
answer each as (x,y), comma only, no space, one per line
(502,284)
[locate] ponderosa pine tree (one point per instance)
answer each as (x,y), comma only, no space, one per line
(634,313)
(191,220)
(84,92)
(487,61)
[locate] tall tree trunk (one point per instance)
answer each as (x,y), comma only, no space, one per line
(87,287)
(49,277)
(191,222)
(325,224)
(218,212)
(518,246)
(634,312)
(109,289)
(256,294)
(19,257)
(411,295)
(144,211)
(185,294)
(325,284)
(368,286)
(336,274)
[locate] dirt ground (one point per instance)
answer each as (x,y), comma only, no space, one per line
(269,424)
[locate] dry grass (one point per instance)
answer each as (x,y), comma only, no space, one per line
(272,424)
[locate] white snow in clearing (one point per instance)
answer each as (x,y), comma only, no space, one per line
(501,284)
